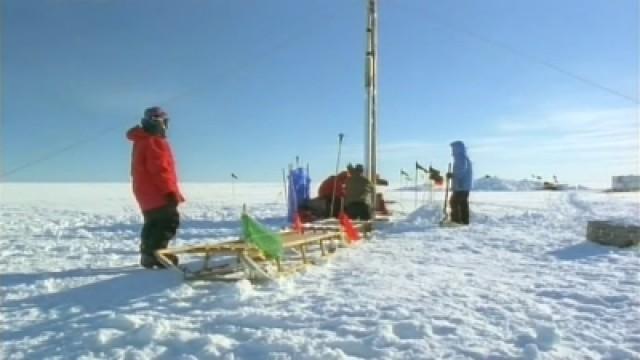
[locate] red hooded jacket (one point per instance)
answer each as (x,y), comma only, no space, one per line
(326,187)
(153,170)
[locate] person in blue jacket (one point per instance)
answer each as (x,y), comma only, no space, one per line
(461,178)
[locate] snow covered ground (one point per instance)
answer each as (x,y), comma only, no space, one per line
(519,283)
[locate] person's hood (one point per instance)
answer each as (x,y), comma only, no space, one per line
(137,133)
(458,149)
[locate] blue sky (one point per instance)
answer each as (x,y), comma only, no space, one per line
(541,87)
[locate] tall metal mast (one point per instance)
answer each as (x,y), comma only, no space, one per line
(371,85)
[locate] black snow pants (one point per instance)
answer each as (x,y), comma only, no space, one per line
(459,203)
(160,226)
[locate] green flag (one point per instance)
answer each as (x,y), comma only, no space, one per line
(268,242)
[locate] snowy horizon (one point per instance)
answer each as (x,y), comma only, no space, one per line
(493,183)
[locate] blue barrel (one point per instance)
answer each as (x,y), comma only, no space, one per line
(299,187)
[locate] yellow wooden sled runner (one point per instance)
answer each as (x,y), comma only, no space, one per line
(261,254)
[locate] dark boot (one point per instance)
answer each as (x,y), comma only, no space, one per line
(149,261)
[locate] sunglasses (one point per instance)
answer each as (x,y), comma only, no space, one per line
(163,118)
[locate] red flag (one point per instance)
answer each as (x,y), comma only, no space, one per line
(347,226)
(297,224)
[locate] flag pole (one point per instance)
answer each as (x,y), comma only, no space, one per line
(424,191)
(233,190)
(335,177)
(284,183)
(431,182)
(415,189)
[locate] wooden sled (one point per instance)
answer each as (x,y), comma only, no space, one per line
(238,259)
(333,224)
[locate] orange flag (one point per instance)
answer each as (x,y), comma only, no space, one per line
(297,224)
(347,226)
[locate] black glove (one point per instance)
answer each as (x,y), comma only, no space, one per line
(172,199)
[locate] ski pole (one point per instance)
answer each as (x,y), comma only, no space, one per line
(446,194)
(424,191)
(284,183)
(335,177)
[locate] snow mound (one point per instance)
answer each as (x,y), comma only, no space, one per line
(497,184)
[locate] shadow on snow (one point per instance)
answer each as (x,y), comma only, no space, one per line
(580,251)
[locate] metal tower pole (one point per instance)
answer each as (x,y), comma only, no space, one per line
(371,85)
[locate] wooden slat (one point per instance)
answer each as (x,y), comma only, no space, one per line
(303,250)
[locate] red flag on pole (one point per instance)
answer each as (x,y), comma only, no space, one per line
(347,226)
(297,224)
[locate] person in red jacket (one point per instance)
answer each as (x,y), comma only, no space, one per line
(155,184)
(332,191)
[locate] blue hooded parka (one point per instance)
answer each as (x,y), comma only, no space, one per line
(462,169)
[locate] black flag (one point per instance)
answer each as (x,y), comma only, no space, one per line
(233,176)
(434,175)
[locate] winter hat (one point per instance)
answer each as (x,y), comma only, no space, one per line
(155,120)
(154,112)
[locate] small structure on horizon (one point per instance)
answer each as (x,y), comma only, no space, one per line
(625,183)
(613,233)
(554,186)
